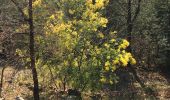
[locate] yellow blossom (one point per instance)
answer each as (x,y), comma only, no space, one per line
(124,45)
(123,61)
(52,17)
(99,4)
(116,61)
(89,1)
(37,3)
(112,40)
(71,11)
(98,51)
(113,33)
(103,22)
(111,82)
(108,57)
(126,57)
(75,63)
(74,33)
(103,79)
(106,45)
(123,51)
(113,68)
(65,62)
(101,35)
(132,61)
(107,68)
(107,63)
(125,42)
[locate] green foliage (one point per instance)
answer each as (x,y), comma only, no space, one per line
(82,44)
(85,56)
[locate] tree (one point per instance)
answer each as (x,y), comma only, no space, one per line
(86,55)
(162,14)
(32,52)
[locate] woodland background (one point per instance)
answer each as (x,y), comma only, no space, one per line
(85,49)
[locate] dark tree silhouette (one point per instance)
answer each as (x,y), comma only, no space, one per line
(32,53)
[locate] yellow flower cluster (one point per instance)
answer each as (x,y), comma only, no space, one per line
(112,40)
(124,44)
(123,61)
(52,17)
(111,82)
(103,79)
(74,33)
(113,68)
(125,58)
(71,11)
(65,63)
(100,35)
(132,61)
(75,63)
(60,27)
(115,61)
(108,57)
(106,45)
(89,1)
(37,3)
(99,4)
(98,51)
(107,65)
(20,53)
(103,22)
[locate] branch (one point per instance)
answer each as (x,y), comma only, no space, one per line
(20,10)
(24,33)
(137,11)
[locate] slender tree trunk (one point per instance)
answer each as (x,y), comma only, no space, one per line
(2,79)
(129,38)
(129,24)
(168,38)
(53,78)
(32,53)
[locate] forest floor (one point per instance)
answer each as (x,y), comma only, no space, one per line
(15,85)
(158,82)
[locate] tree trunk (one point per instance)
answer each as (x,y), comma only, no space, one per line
(2,79)
(32,53)
(129,38)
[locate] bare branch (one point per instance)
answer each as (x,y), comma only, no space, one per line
(137,11)
(20,10)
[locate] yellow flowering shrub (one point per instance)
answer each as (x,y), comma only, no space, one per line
(75,36)
(113,51)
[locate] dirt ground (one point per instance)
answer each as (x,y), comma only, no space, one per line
(16,84)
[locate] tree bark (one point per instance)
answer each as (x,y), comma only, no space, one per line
(32,53)
(129,38)
(2,79)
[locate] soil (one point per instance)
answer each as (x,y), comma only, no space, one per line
(19,84)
